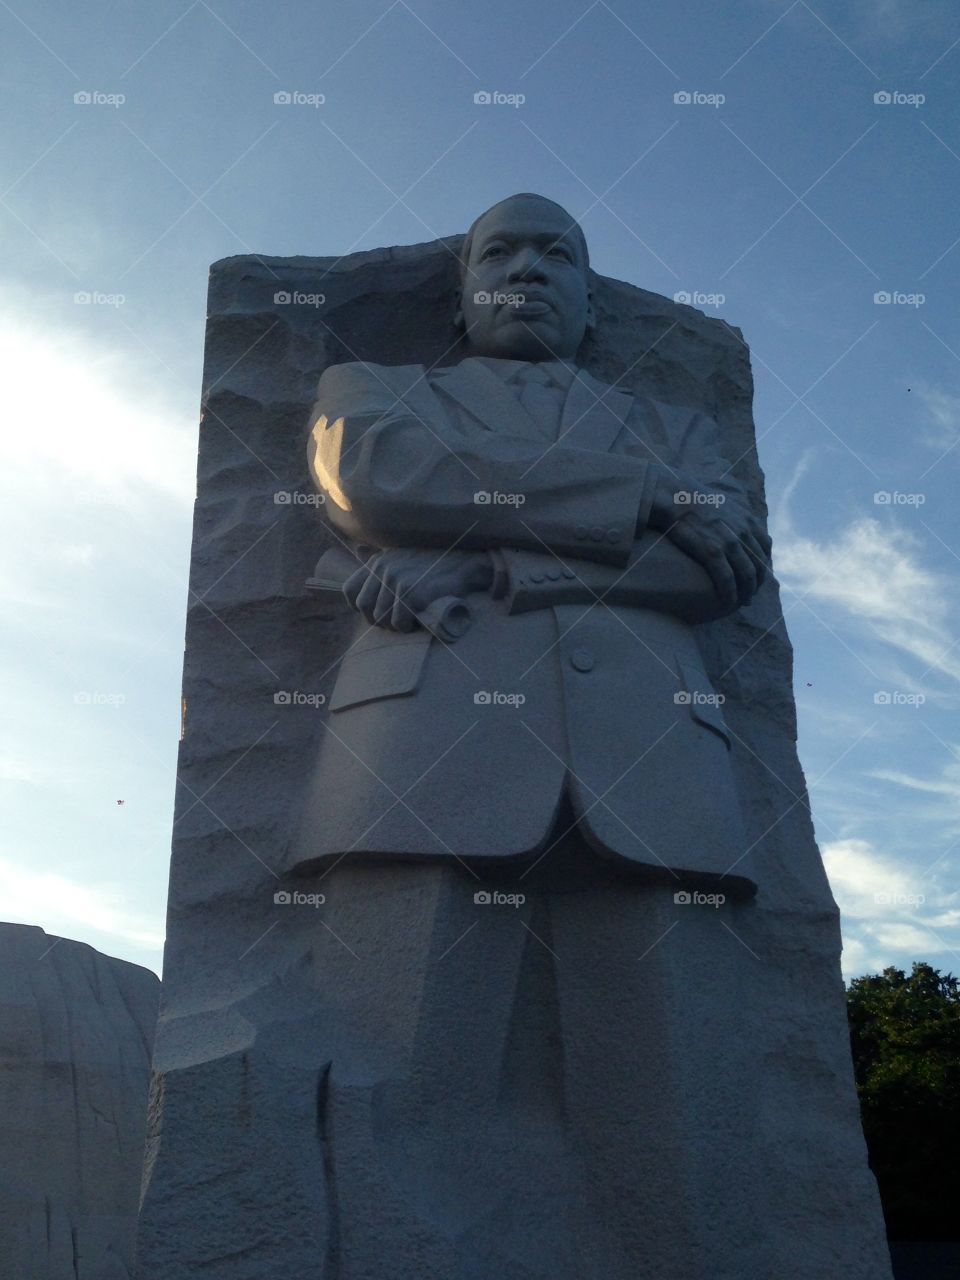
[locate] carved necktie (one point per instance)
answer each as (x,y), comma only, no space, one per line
(541,396)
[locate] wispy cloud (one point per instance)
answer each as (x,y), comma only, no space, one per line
(94,459)
(949,786)
(867,885)
(97,466)
(939,815)
(95,913)
(872,574)
(13,769)
(82,426)
(892,913)
(944,409)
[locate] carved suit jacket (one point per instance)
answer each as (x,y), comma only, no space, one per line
(584,675)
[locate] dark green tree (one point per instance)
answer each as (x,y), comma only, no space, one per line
(905,1037)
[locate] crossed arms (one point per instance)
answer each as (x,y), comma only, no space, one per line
(571,525)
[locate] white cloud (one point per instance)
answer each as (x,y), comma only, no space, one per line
(944,409)
(94,458)
(873,574)
(891,913)
(945,920)
(866,885)
(940,816)
(93,914)
(856,958)
(81,426)
(900,936)
(77,554)
(13,769)
(97,478)
(946,786)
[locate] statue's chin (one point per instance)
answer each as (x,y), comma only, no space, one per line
(522,346)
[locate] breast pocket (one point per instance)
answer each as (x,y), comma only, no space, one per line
(705,704)
(381,664)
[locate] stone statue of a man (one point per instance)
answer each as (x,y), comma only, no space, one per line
(559,774)
(543,1012)
(588,530)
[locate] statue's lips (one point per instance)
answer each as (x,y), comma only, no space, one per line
(532,307)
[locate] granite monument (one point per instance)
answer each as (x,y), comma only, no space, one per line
(499,944)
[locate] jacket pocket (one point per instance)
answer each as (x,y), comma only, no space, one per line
(703,700)
(382,668)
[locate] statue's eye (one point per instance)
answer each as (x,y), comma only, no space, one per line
(559,248)
(494,248)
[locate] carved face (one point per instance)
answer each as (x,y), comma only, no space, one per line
(525,249)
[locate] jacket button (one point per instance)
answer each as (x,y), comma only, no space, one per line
(596,533)
(613,535)
(536,576)
(567,573)
(582,660)
(553,574)
(580,531)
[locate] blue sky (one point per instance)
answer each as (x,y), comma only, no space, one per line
(797,198)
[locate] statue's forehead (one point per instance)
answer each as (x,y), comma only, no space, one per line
(539,220)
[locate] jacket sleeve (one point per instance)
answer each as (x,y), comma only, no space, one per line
(687,444)
(396,477)
(658,576)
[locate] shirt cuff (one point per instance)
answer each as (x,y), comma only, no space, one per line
(647,492)
(501,574)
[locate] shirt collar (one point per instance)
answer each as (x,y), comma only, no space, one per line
(562,371)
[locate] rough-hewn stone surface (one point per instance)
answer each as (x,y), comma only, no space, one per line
(76,1035)
(302,1123)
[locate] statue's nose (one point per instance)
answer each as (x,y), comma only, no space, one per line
(526,265)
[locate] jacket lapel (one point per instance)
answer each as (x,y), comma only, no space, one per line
(478,390)
(594,414)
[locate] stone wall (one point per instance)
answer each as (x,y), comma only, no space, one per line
(76,1036)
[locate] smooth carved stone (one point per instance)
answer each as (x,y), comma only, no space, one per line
(76,1036)
(567,1075)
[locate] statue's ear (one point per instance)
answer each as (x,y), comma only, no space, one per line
(458,313)
(591,313)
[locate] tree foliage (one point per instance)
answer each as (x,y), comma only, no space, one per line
(905,1037)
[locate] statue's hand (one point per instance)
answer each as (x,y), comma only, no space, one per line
(394,585)
(731,546)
